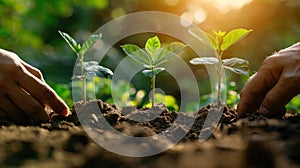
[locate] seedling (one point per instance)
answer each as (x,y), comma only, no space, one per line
(153,56)
(219,43)
(89,67)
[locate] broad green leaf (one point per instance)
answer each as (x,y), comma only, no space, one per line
(233,37)
(152,46)
(151,73)
(202,36)
(236,65)
(137,54)
(167,52)
(89,43)
(72,43)
(204,60)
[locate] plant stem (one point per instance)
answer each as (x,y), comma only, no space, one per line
(220,74)
(83,89)
(153,91)
(83,80)
(219,90)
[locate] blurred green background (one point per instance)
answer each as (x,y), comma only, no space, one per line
(29,28)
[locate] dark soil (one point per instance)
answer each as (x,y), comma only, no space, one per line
(251,142)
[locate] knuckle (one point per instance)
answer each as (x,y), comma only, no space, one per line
(270,60)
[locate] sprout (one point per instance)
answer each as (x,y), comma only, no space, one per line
(86,68)
(153,56)
(219,43)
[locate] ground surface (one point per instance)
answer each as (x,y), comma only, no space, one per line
(252,142)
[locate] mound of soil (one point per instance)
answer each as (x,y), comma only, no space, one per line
(254,141)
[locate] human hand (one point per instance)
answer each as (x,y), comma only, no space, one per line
(24,93)
(274,85)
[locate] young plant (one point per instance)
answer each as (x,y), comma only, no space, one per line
(153,56)
(89,67)
(220,42)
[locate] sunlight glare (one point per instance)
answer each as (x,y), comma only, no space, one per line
(225,6)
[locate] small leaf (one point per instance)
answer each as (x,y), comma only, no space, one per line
(213,42)
(152,46)
(89,43)
(236,65)
(137,54)
(219,38)
(72,43)
(151,73)
(92,68)
(88,64)
(203,37)
(204,60)
(233,37)
(104,72)
(167,52)
(147,66)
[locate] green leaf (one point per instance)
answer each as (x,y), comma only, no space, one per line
(137,54)
(72,43)
(92,68)
(151,73)
(152,46)
(104,72)
(202,36)
(219,37)
(89,43)
(233,37)
(236,65)
(204,60)
(213,42)
(167,52)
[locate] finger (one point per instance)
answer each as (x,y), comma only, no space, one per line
(275,100)
(41,91)
(33,108)
(12,111)
(37,73)
(255,90)
(3,115)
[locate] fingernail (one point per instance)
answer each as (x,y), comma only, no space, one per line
(66,112)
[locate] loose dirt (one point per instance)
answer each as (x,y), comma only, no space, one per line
(253,141)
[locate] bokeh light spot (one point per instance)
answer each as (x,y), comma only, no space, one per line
(172,2)
(186,19)
(200,16)
(117,12)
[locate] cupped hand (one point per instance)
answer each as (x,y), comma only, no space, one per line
(274,85)
(24,93)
